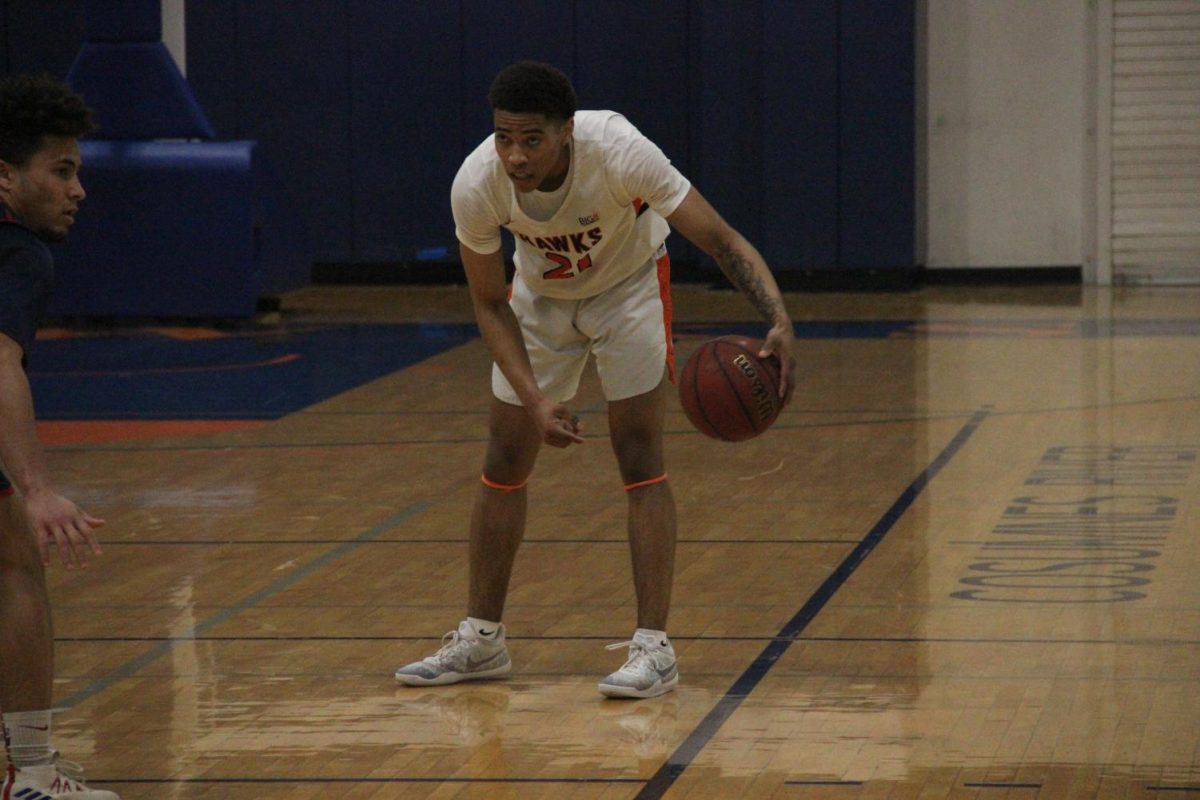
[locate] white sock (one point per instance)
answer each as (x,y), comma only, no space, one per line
(655,639)
(27,734)
(484,628)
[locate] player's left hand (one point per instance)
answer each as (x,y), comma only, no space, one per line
(781,343)
(58,522)
(559,426)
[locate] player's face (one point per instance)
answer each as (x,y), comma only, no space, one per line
(535,151)
(45,192)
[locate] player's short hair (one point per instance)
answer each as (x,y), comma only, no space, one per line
(33,107)
(531,87)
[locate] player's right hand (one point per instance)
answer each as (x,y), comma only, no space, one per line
(57,521)
(781,343)
(558,424)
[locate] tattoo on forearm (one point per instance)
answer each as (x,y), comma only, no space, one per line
(741,273)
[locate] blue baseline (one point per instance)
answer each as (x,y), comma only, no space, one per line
(144,374)
(132,666)
(263,375)
(686,753)
(957,329)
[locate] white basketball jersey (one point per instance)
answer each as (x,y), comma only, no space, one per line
(618,189)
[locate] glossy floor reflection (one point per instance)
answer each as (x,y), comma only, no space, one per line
(961,565)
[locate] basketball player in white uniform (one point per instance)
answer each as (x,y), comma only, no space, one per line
(590,202)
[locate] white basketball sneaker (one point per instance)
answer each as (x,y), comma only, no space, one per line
(650,671)
(465,656)
(58,780)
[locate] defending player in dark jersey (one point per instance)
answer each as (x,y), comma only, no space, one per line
(41,121)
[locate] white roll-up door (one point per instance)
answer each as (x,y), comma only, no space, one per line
(1155,141)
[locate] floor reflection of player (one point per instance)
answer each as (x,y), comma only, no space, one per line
(472,716)
(648,729)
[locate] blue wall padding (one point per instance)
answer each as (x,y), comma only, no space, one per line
(177,229)
(876,146)
(137,92)
(545,33)
(123,20)
(39,37)
(294,72)
(796,119)
(283,252)
(727,166)
(800,125)
(415,121)
(216,32)
(653,62)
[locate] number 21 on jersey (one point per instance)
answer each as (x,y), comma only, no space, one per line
(566,268)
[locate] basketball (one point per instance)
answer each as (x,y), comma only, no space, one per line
(727,391)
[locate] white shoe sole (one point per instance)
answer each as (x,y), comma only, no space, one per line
(629,692)
(453,677)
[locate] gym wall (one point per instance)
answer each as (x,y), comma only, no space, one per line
(795,119)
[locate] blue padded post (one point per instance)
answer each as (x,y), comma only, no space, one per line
(123,20)
(137,92)
(128,77)
(178,229)
(173,228)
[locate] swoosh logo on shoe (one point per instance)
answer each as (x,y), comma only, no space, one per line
(482,632)
(471,665)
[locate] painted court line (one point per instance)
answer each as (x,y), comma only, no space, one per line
(686,753)
(451,779)
(131,667)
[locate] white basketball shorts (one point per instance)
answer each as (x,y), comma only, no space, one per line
(627,328)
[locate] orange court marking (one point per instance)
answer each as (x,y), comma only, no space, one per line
(186,334)
(189,334)
(287,358)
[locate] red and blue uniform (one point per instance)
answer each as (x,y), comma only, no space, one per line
(26,275)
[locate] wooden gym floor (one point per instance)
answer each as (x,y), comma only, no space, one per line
(962,564)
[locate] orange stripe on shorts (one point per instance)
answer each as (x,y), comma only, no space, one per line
(664,293)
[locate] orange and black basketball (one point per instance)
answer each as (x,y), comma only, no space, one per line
(727,391)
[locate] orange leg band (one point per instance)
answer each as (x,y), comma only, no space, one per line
(502,487)
(650,482)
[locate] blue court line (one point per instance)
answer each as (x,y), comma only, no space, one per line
(171,448)
(1007,328)
(130,667)
(1195,788)
(778,426)
(674,638)
(439,780)
(686,753)
(256,542)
